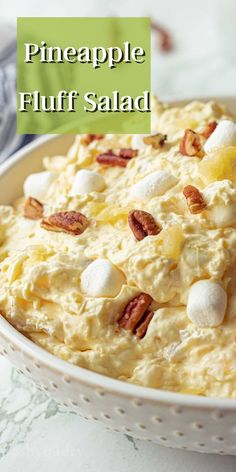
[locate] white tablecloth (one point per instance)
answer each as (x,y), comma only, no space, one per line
(36,434)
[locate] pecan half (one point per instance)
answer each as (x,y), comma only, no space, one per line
(136,315)
(194,199)
(120,159)
(156,140)
(89,138)
(143,224)
(33,209)
(209,128)
(191,144)
(71,222)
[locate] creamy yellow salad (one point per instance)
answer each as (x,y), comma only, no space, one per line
(121,256)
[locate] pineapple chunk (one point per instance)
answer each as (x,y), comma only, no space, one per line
(112,214)
(94,208)
(219,165)
(184,123)
(172,240)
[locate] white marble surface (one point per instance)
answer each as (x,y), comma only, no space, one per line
(35,433)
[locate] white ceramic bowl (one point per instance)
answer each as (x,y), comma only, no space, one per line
(172,419)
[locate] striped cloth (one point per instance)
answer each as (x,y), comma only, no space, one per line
(9,140)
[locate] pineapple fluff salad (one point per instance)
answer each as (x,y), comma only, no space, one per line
(121,256)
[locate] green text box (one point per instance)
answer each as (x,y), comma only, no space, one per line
(43,79)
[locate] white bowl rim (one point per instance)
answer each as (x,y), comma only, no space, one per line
(102,382)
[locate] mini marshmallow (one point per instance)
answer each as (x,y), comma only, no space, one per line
(37,185)
(153,185)
(102,279)
(87,181)
(221,203)
(207,303)
(223,136)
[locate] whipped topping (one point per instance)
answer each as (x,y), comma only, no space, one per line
(153,185)
(224,135)
(87,181)
(37,185)
(206,305)
(102,279)
(138,142)
(51,290)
